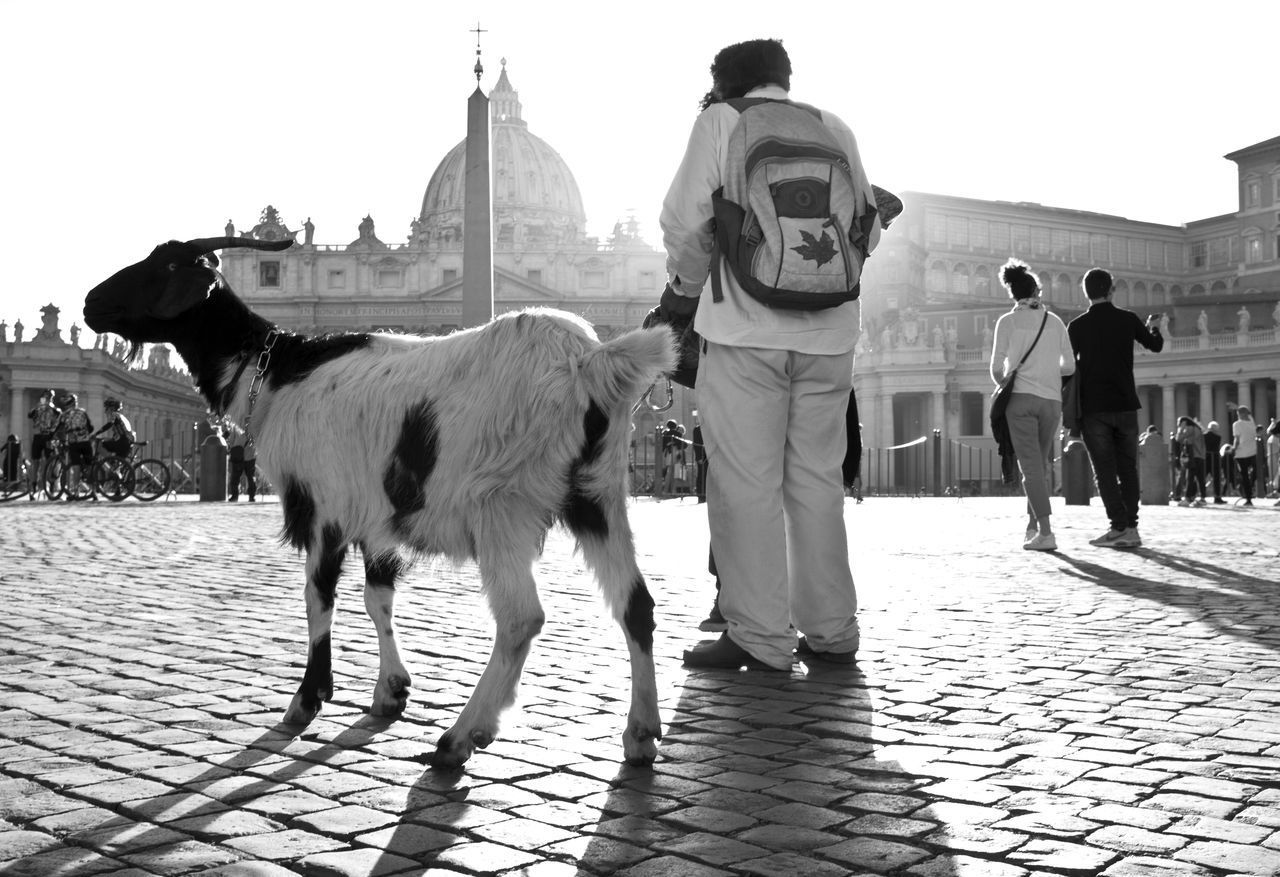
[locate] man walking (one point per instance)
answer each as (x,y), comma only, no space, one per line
(773,380)
(1102,339)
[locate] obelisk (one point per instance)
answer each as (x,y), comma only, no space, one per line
(477,211)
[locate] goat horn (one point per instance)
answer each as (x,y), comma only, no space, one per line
(208,245)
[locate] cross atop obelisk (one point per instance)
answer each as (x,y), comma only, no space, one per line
(477,30)
(477,210)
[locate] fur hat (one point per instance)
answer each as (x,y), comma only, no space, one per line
(743,66)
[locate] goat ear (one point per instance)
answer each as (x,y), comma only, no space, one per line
(187,287)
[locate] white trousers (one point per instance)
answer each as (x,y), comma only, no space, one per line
(773,424)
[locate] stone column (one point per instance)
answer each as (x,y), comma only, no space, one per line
(1242,394)
(1261,410)
(1206,403)
(18,423)
(939,400)
(1168,418)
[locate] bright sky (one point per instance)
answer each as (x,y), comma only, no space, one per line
(130,123)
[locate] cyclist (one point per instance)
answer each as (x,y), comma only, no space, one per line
(118,431)
(44,418)
(75,428)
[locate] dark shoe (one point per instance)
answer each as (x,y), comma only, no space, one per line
(1217,500)
(235,497)
(251,499)
(723,654)
(806,652)
(715,621)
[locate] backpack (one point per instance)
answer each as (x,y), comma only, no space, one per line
(790,221)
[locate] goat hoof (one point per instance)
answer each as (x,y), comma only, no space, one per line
(481,739)
(297,714)
(449,755)
(390,696)
(640,744)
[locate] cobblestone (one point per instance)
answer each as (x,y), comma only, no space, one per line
(1012,714)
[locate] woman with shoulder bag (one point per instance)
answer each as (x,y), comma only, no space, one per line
(1031,349)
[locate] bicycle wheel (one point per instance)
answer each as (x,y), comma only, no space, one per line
(113,478)
(150,479)
(83,487)
(52,485)
(11,490)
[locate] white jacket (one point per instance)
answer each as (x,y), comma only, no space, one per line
(739,320)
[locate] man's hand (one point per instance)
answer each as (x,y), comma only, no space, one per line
(673,310)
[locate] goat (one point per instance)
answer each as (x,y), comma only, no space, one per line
(468,446)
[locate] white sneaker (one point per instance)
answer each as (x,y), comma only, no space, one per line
(1128,539)
(1107,539)
(1041,542)
(1182,503)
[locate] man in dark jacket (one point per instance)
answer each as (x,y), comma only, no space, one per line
(1102,339)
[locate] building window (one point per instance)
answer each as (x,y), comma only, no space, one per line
(535,276)
(1061,244)
(1000,237)
(1079,246)
(1252,250)
(1252,193)
(957,231)
(1098,248)
(390,277)
(337,279)
(980,324)
(1040,240)
(647,281)
(1118,255)
(1199,254)
(1021,240)
(269,274)
(1219,251)
(971,414)
(937,228)
(448,275)
(978,234)
(1137,253)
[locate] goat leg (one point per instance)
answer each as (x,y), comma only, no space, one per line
(513,598)
(324,566)
(391,691)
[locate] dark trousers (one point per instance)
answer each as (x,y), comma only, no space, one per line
(1191,479)
(1111,438)
(1246,469)
(1213,465)
(249,469)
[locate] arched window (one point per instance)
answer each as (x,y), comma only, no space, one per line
(937,281)
(982,281)
(960,280)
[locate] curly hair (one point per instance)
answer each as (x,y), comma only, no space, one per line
(1017,278)
(743,66)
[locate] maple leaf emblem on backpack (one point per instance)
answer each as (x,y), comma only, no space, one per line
(821,250)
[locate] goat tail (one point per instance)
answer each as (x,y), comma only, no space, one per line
(620,369)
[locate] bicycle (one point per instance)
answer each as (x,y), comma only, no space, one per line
(117,478)
(16,488)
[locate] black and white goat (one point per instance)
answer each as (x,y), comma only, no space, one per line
(468,446)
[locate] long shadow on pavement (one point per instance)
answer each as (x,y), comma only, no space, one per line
(1239,605)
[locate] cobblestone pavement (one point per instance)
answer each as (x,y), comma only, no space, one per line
(1013,713)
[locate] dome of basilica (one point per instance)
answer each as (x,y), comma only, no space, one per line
(535,197)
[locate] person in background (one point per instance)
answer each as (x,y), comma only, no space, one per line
(243,456)
(1035,407)
(117,430)
(1213,459)
(1244,433)
(44,425)
(1103,339)
(1191,441)
(74,428)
